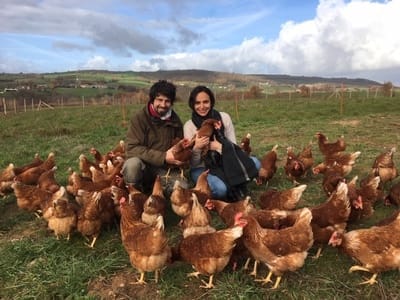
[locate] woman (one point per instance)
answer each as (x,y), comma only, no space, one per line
(202,101)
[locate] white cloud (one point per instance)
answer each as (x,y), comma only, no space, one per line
(344,39)
(96,63)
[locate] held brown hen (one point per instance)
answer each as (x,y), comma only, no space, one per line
(206,130)
(209,253)
(376,249)
(268,166)
(281,250)
(284,199)
(182,151)
(146,245)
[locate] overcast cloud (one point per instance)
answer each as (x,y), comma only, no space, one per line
(330,38)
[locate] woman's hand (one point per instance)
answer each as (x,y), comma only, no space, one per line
(215,145)
(201,142)
(218,125)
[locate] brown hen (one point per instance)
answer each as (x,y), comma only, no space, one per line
(330,216)
(268,166)
(155,204)
(63,220)
(181,202)
(384,167)
(31,175)
(146,245)
(245,144)
(376,249)
(47,180)
(294,167)
(328,149)
(209,253)
(281,250)
(227,210)
(284,199)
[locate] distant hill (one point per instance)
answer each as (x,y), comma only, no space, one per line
(130,80)
(245,79)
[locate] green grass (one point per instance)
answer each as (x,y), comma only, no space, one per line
(33,264)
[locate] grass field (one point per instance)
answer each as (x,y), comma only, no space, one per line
(34,265)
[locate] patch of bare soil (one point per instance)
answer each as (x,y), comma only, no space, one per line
(353,123)
(121,286)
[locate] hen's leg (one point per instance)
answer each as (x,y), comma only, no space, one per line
(254,272)
(194,274)
(182,175)
(141,279)
(278,280)
(156,275)
(208,285)
(372,280)
(266,279)
(246,265)
(166,176)
(91,245)
(358,268)
(318,254)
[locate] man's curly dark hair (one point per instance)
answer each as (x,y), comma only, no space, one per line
(165,88)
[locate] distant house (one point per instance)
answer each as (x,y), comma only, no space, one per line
(8,90)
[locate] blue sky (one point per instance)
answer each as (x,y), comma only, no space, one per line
(329,38)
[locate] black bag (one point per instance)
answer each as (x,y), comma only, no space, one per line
(238,167)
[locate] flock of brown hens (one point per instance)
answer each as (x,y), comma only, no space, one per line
(270,230)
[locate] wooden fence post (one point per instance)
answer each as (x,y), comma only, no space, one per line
(4,105)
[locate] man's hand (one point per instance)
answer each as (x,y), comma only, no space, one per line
(170,159)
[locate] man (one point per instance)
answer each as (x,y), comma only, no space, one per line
(149,137)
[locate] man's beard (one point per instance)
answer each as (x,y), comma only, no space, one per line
(165,113)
